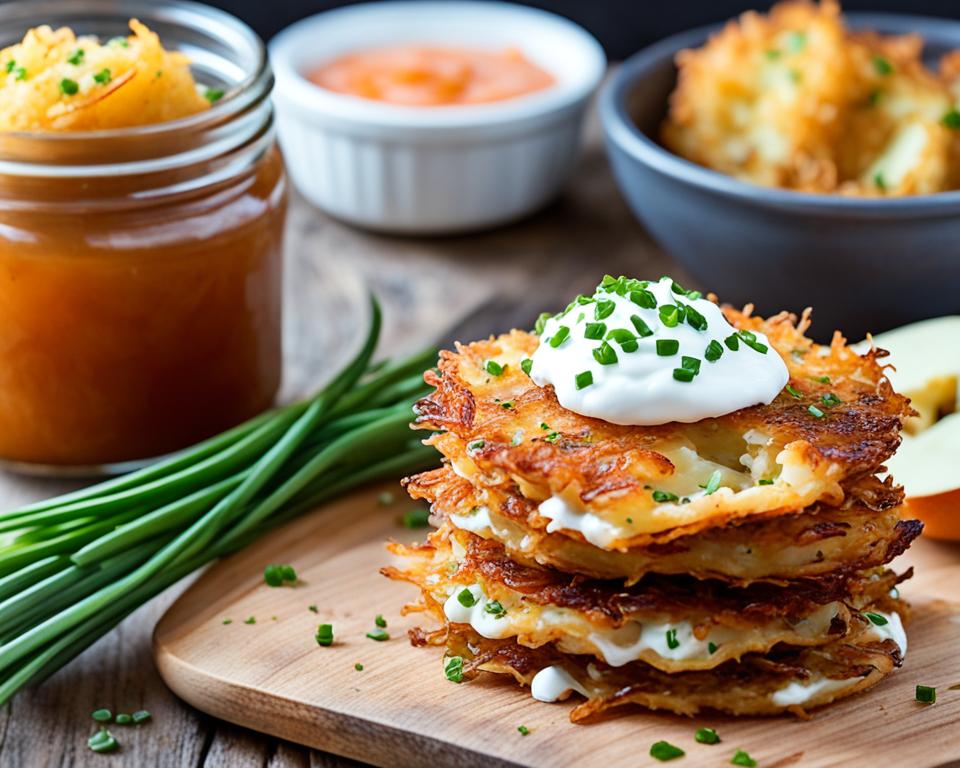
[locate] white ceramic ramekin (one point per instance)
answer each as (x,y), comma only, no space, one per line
(432,169)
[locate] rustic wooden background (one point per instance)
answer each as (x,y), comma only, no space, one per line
(430,289)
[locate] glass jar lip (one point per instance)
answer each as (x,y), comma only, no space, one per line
(245,95)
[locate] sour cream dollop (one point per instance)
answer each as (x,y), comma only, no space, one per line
(644,353)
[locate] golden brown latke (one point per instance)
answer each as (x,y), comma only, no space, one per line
(505,432)
(605,619)
(744,688)
(865,532)
(794,99)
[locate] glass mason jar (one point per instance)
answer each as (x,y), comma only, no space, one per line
(141,268)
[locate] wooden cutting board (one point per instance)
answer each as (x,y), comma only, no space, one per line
(400,710)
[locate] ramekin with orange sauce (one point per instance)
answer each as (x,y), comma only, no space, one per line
(433,117)
(140,266)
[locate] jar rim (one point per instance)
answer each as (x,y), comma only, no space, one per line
(248,88)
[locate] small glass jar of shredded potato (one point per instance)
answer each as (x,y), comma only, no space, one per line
(142,204)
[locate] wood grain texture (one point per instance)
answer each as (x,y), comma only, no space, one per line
(477,284)
(399,710)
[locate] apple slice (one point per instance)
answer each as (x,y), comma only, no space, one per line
(928,467)
(926,359)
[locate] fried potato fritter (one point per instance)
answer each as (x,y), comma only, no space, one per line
(673,623)
(793,99)
(865,532)
(754,686)
(506,433)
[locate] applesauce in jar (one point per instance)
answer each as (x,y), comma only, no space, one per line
(140,265)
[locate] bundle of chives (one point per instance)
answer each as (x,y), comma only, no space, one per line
(79,563)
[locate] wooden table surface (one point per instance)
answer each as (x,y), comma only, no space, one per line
(474,284)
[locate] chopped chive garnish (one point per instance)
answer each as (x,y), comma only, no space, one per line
(358,666)
(750,340)
(732,342)
(560,336)
(882,66)
(662,496)
(683,374)
(595,331)
(792,392)
(713,352)
(712,647)
(276,575)
(102,741)
(690,363)
(119,41)
(324,635)
(815,412)
(213,94)
(706,736)
(667,347)
(672,642)
(250,620)
(796,41)
(20,73)
(466,598)
(584,379)
(69,87)
(493,368)
(695,319)
(621,336)
(523,730)
(830,400)
(544,426)
(742,758)
(9,66)
(124,719)
(604,309)
(541,322)
(378,634)
(418,517)
(453,669)
(379,620)
(103,77)
(876,618)
(605,354)
(495,608)
(664,750)
(76,58)
(880,182)
(670,315)
(140,716)
(102,715)
(476,445)
(713,483)
(228,621)
(507,405)
(644,298)
(552,437)
(926,694)
(313,609)
(643,329)
(764,481)
(822,379)
(526,365)
(951,119)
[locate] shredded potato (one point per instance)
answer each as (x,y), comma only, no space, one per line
(53,80)
(793,99)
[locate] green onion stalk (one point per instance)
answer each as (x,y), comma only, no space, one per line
(74,566)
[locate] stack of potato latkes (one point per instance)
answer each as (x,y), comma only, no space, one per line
(735,563)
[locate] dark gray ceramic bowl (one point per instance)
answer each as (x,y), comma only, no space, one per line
(862,264)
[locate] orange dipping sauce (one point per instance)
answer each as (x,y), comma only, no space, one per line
(431,76)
